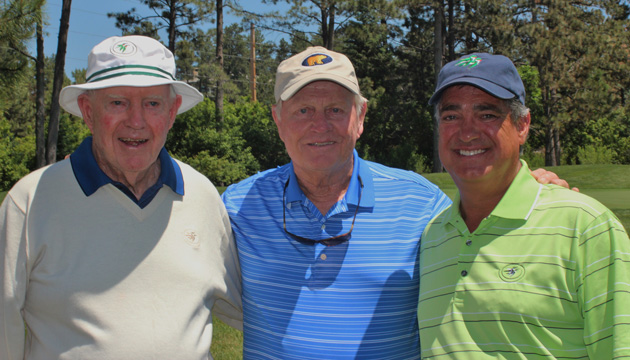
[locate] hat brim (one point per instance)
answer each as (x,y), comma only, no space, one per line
(294,88)
(485,85)
(69,94)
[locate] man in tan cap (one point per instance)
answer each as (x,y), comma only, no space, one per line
(328,243)
(120,251)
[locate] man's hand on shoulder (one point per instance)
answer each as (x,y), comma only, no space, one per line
(548,177)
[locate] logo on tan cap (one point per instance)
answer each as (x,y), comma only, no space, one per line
(314,64)
(317,59)
(124,48)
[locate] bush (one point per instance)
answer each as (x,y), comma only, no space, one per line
(245,142)
(596,154)
(534,160)
(17,155)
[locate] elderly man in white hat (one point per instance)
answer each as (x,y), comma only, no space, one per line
(120,251)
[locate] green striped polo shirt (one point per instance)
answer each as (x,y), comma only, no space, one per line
(545,276)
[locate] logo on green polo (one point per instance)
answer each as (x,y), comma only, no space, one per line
(469,62)
(512,272)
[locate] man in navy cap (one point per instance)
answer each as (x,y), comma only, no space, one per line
(513,268)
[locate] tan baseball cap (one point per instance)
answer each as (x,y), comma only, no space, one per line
(313,64)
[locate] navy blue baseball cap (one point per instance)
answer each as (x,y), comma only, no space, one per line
(494,74)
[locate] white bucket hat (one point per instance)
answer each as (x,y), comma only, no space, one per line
(137,61)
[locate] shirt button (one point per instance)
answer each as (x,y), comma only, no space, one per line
(468,242)
(323,257)
(464,272)
(323,226)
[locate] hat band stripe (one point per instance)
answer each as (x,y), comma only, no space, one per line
(129,73)
(152,68)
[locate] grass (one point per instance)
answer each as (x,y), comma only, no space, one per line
(227,342)
(610,184)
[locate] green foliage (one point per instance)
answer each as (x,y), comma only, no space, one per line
(244,143)
(198,139)
(595,154)
(72,131)
(535,159)
(17,25)
(259,131)
(610,135)
(17,155)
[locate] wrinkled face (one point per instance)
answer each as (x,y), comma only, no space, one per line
(319,126)
(129,126)
(478,139)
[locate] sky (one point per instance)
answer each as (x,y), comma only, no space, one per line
(89,25)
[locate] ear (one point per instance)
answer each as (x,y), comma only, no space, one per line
(173,111)
(361,120)
(85,106)
(523,128)
(276,119)
(275,116)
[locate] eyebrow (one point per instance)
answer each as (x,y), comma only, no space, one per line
(476,107)
(491,107)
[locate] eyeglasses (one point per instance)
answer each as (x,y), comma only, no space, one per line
(332,241)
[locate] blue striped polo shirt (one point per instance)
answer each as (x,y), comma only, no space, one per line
(357,299)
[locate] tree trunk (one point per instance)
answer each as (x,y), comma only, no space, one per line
(60,61)
(253,62)
(40,103)
(172,26)
(550,146)
(556,146)
(331,27)
(219,97)
(438,51)
(450,36)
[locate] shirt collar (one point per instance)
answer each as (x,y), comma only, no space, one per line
(294,193)
(90,176)
(517,202)
(520,198)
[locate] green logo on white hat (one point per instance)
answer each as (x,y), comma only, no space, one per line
(124,48)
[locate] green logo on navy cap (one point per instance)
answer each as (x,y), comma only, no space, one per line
(469,62)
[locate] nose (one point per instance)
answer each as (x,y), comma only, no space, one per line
(468,130)
(321,123)
(135,117)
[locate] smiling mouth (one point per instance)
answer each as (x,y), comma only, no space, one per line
(471,152)
(322,143)
(133,142)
